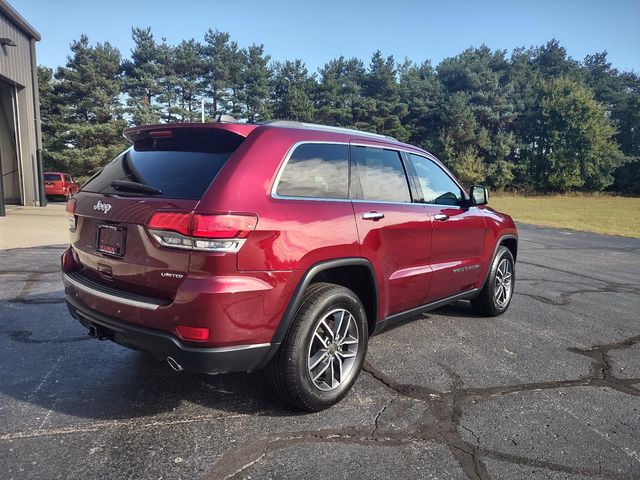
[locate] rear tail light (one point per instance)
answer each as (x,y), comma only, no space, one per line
(194,231)
(71,213)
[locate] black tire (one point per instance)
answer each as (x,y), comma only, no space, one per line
(485,303)
(288,371)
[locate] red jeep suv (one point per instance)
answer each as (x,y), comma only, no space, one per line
(230,247)
(58,184)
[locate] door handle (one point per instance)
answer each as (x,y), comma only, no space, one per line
(372,216)
(441,216)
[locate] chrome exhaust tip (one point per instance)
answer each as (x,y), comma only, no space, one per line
(173,364)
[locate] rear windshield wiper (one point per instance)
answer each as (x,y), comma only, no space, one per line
(125,186)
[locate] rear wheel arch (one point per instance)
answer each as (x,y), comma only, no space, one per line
(358,278)
(338,271)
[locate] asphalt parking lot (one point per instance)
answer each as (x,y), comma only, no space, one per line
(550,390)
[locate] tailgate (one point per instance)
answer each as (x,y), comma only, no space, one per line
(116,250)
(168,168)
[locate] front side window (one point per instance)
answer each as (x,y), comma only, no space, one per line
(437,187)
(317,170)
(382,176)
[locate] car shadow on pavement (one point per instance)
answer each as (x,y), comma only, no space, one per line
(51,364)
(108,382)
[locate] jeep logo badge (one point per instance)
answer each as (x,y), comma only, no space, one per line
(102,207)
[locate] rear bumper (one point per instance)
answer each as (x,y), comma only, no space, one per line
(55,191)
(239,358)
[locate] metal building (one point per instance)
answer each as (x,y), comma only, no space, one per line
(20,137)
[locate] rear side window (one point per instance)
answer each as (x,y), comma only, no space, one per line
(52,177)
(182,166)
(319,170)
(382,176)
(67,178)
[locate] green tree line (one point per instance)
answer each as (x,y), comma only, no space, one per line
(533,120)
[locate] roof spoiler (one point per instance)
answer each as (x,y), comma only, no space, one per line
(166,130)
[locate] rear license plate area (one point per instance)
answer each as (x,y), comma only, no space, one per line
(110,240)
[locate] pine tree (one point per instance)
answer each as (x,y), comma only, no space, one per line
(339,93)
(237,66)
(89,132)
(51,112)
(460,139)
(551,61)
(218,52)
(424,94)
(256,77)
(187,74)
(293,91)
(384,109)
(142,74)
(482,74)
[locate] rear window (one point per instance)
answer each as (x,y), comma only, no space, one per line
(182,166)
(51,177)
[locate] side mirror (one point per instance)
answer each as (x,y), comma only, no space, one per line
(479,195)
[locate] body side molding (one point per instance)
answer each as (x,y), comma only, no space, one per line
(398,317)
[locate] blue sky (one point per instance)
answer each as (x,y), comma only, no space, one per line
(317,31)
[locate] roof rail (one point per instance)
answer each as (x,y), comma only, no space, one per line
(324,128)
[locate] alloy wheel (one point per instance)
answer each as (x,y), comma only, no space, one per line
(333,349)
(504,284)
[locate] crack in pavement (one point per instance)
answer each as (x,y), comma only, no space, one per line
(568,272)
(33,277)
(27,272)
(35,301)
(375,420)
(447,407)
(133,424)
(565,297)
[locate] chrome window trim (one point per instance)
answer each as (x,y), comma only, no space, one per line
(109,296)
(388,146)
(385,202)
